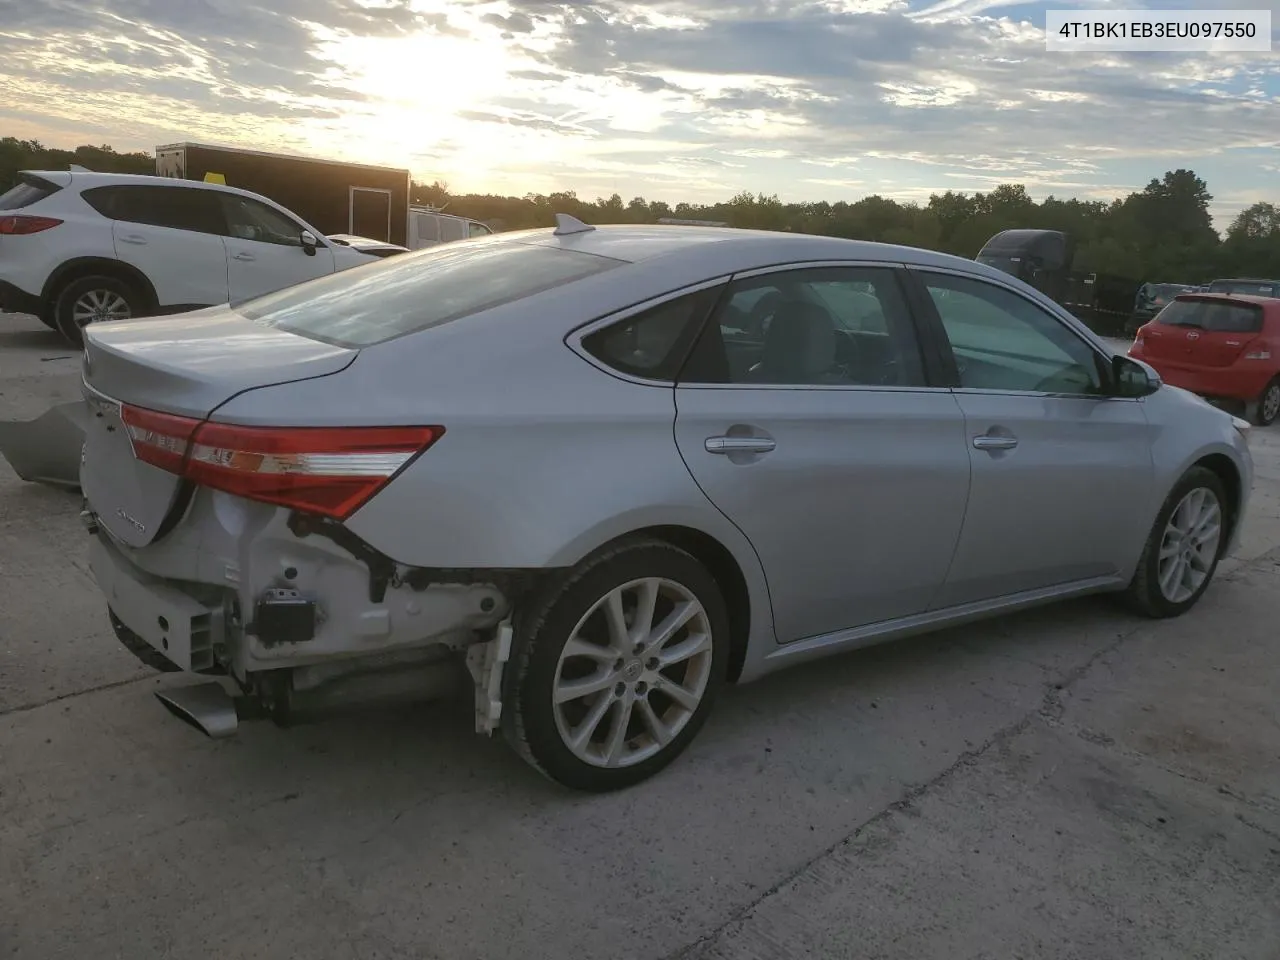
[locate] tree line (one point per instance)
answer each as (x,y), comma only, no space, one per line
(1161,233)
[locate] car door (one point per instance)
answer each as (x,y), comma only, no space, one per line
(1062,471)
(846,472)
(173,234)
(265,250)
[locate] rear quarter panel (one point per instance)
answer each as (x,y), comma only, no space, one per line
(29,261)
(544,458)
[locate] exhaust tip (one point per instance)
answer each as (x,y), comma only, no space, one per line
(206,706)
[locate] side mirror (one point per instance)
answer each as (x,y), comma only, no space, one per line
(1132,378)
(309,243)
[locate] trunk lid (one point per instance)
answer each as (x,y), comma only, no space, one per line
(1203,331)
(185,365)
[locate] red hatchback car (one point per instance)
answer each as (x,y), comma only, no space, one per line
(1221,346)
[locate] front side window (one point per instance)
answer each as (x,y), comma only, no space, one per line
(249,219)
(414,291)
(175,207)
(832,326)
(478,229)
(1003,341)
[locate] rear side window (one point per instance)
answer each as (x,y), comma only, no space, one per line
(1212,316)
(28,191)
(179,208)
(654,343)
(452,229)
(415,291)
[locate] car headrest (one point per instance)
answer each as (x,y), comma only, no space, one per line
(800,344)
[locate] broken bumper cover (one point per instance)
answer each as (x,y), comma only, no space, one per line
(47,449)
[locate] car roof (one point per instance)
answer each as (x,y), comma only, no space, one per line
(1209,297)
(85,179)
(638,243)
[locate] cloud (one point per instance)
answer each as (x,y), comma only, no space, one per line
(680,96)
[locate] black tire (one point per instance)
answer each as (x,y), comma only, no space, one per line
(140,648)
(530,719)
(1270,397)
(105,286)
(1144,593)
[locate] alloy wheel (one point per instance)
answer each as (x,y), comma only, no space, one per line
(1189,546)
(96,306)
(632,673)
(1271,403)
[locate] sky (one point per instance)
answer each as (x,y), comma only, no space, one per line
(667,99)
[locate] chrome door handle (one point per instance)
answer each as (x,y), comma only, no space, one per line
(134,238)
(247,257)
(994,443)
(739,444)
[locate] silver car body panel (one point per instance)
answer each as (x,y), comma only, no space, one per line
(900,526)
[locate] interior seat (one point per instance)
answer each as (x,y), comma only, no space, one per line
(799,346)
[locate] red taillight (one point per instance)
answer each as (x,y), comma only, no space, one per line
(159,439)
(19,226)
(331,471)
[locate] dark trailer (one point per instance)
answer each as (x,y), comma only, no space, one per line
(1041,258)
(333,196)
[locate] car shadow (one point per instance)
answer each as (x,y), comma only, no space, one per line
(41,338)
(947,690)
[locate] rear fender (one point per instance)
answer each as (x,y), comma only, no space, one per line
(97,266)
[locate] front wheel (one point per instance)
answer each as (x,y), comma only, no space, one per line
(619,666)
(1183,549)
(1268,405)
(93,300)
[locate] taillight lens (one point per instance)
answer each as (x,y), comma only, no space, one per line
(159,439)
(19,226)
(330,471)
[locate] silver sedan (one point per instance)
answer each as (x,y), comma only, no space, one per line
(609,469)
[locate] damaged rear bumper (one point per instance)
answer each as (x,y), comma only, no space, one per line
(49,448)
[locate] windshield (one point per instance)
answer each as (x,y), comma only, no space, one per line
(1212,316)
(1253,288)
(413,291)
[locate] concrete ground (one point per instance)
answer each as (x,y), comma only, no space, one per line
(1073,782)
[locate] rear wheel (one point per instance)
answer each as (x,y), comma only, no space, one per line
(620,664)
(1268,405)
(93,300)
(1183,549)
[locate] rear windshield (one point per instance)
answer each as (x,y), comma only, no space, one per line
(1212,316)
(1253,288)
(414,291)
(27,192)
(1166,291)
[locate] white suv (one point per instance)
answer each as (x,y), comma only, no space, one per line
(78,247)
